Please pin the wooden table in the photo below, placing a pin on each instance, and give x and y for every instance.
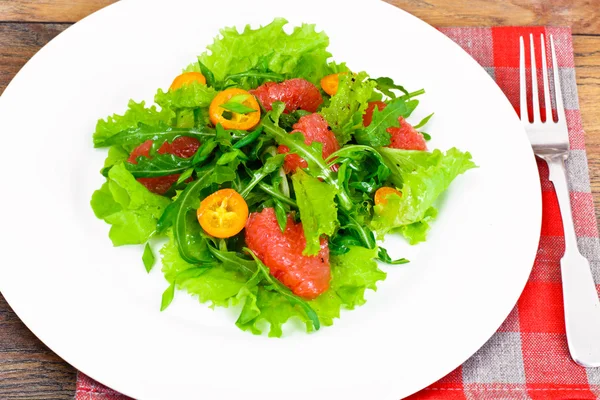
(28, 369)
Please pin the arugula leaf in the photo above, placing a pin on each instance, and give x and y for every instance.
(185, 176)
(141, 132)
(158, 165)
(354, 224)
(215, 283)
(187, 232)
(204, 151)
(271, 165)
(318, 211)
(340, 243)
(301, 54)
(376, 133)
(283, 291)
(276, 194)
(136, 113)
(253, 77)
(353, 273)
(281, 213)
(128, 206)
(385, 86)
(234, 261)
(287, 121)
(192, 95)
(383, 256)
(422, 177)
(423, 122)
(346, 107)
(148, 257)
(311, 153)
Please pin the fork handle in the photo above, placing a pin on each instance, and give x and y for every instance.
(582, 306)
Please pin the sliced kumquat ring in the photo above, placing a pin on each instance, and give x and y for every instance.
(238, 121)
(382, 193)
(187, 78)
(331, 82)
(223, 214)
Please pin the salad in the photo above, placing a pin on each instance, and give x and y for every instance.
(272, 172)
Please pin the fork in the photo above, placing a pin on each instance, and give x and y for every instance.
(550, 142)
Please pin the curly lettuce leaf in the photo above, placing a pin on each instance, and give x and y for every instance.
(346, 107)
(353, 273)
(128, 206)
(422, 177)
(136, 113)
(303, 53)
(318, 212)
(262, 307)
(193, 95)
(376, 134)
(116, 155)
(417, 231)
(217, 284)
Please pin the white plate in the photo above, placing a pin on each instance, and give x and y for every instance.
(96, 307)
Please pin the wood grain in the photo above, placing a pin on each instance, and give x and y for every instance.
(587, 69)
(19, 42)
(28, 369)
(583, 16)
(49, 10)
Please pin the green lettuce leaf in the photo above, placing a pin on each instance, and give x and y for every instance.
(346, 107)
(318, 212)
(193, 95)
(417, 231)
(376, 134)
(116, 155)
(422, 177)
(303, 53)
(353, 273)
(262, 306)
(217, 284)
(136, 113)
(128, 206)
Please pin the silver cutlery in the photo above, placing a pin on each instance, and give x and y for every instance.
(550, 142)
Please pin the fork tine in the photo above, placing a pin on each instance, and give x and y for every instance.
(523, 82)
(547, 103)
(560, 108)
(535, 96)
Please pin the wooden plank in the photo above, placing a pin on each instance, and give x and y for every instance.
(587, 69)
(28, 369)
(19, 42)
(583, 16)
(49, 10)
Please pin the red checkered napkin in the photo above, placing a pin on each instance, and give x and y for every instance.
(528, 357)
